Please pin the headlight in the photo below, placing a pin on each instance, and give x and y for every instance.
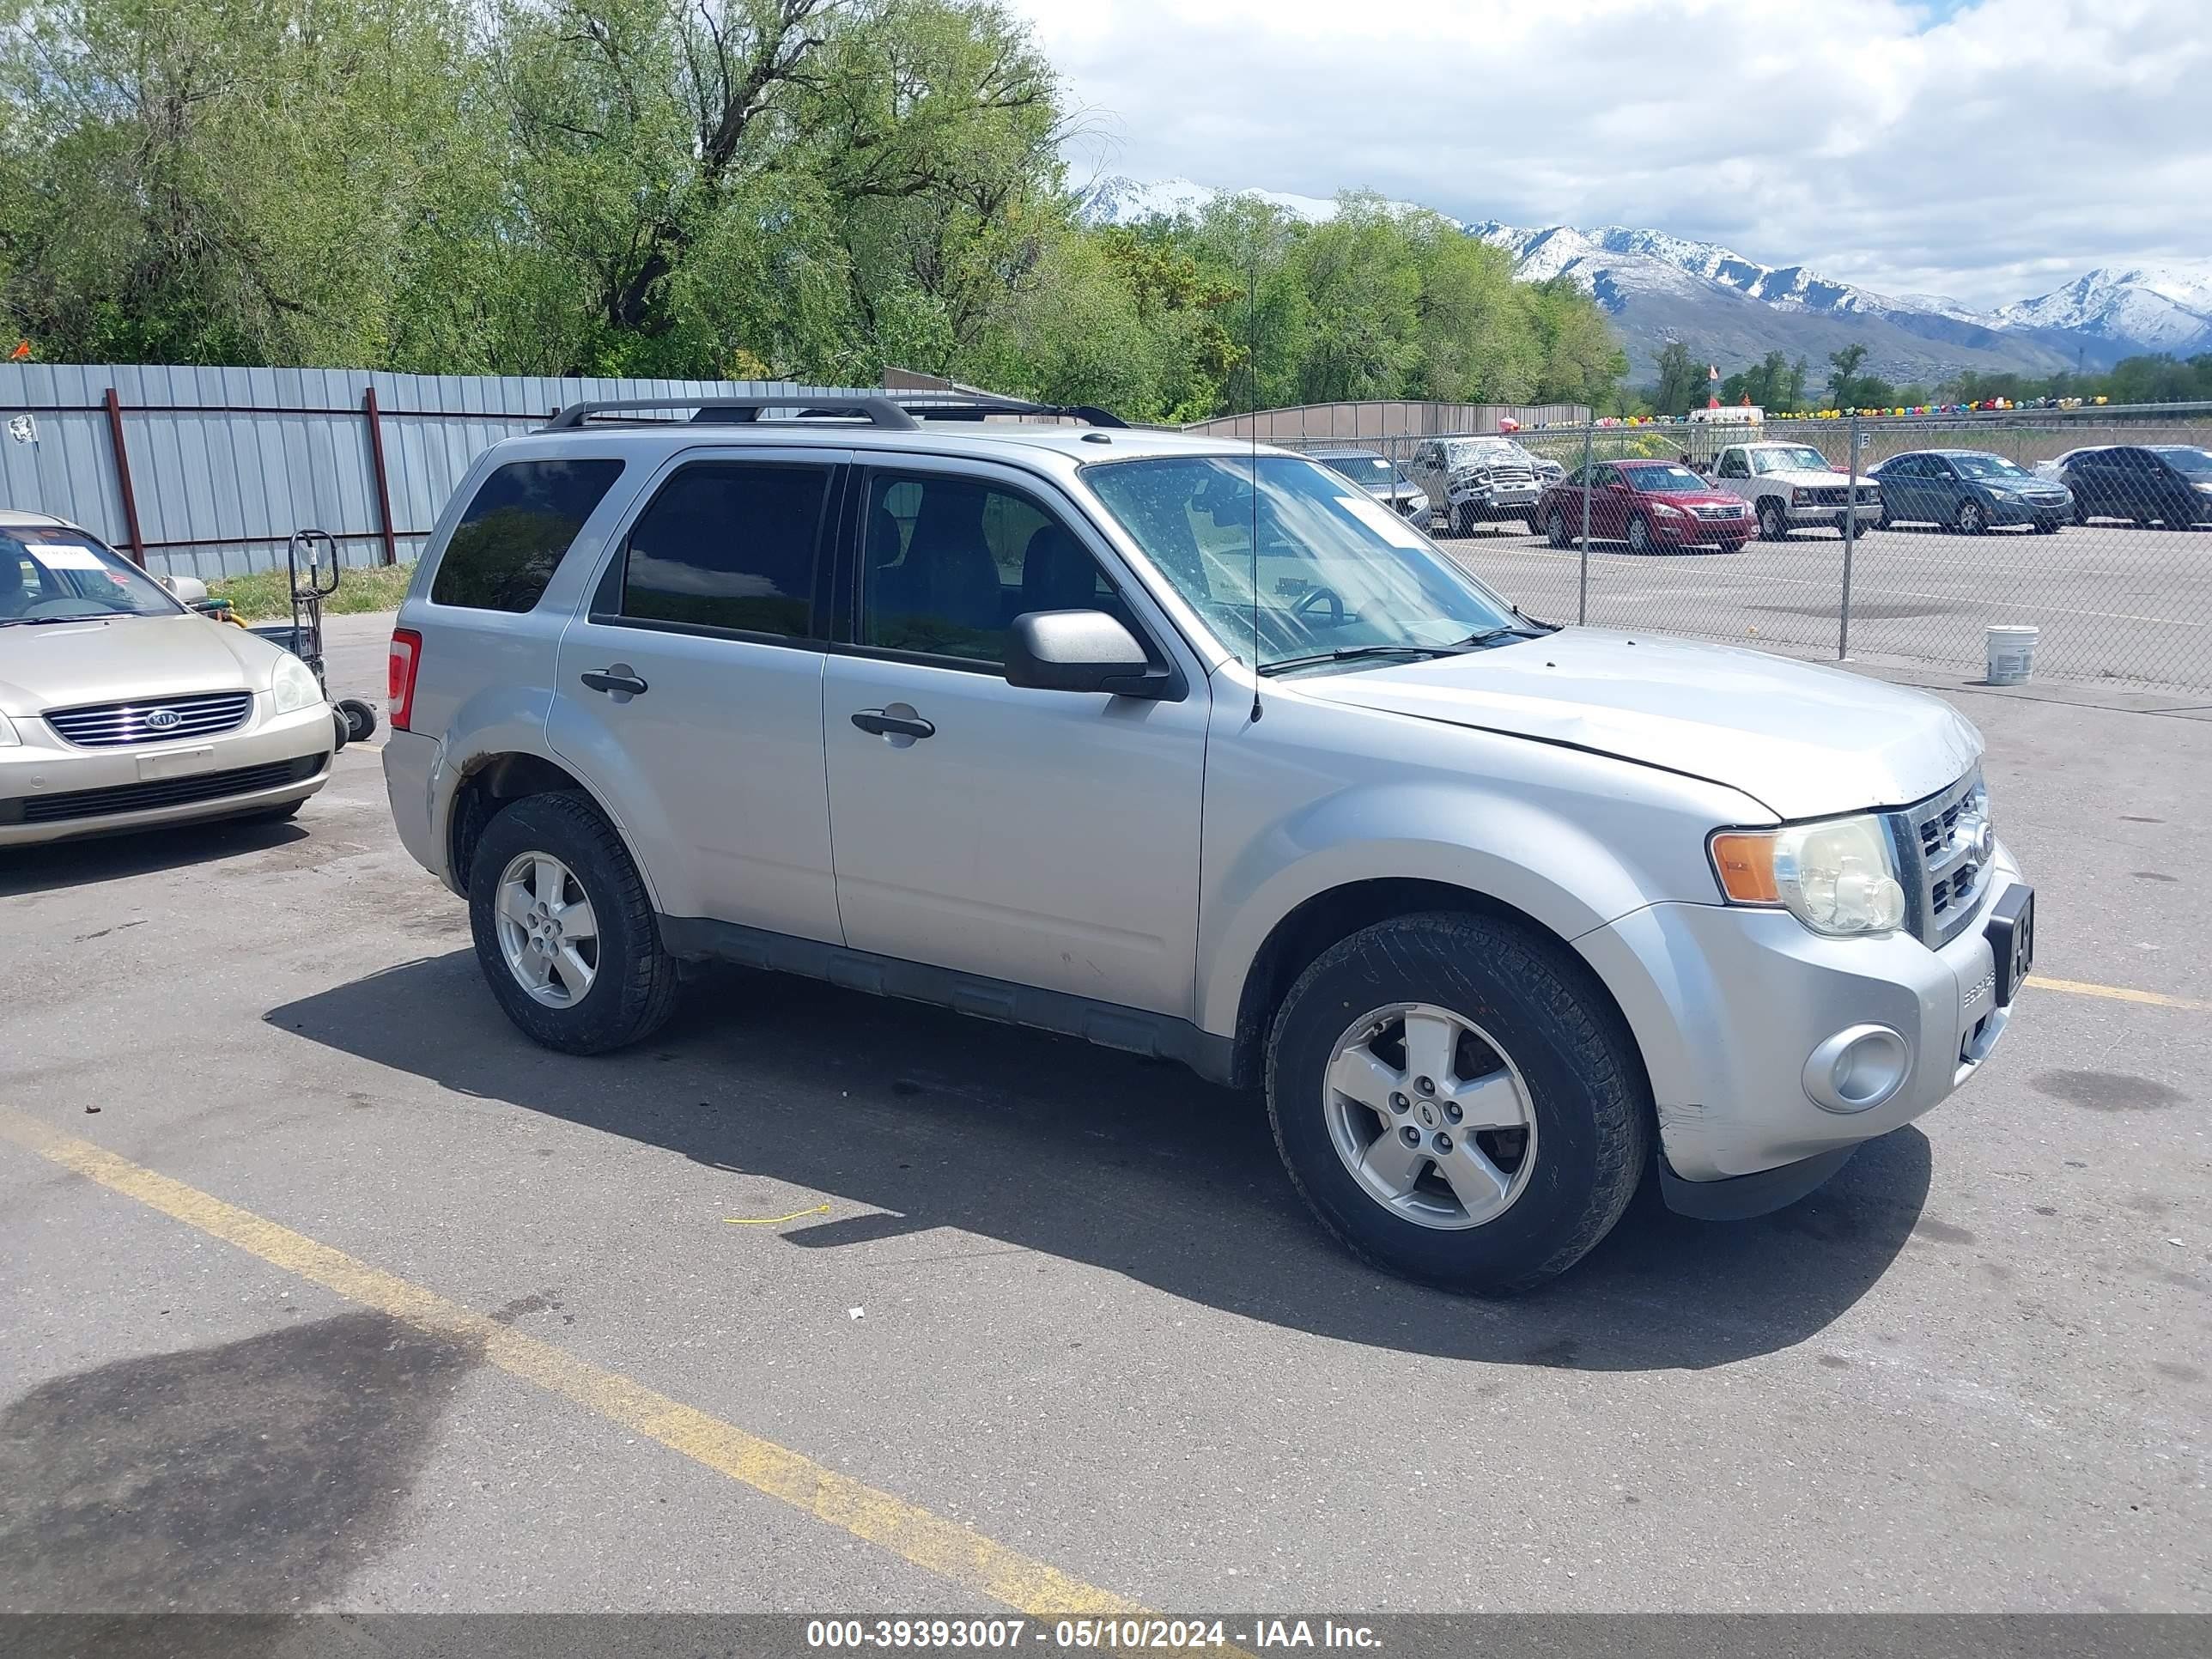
(1666, 510)
(1838, 877)
(295, 686)
(7, 737)
(1800, 497)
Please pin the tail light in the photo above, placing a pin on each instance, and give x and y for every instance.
(399, 679)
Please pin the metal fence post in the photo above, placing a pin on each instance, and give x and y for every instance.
(370, 414)
(1850, 542)
(123, 478)
(1581, 600)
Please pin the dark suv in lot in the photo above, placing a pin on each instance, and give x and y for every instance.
(2163, 484)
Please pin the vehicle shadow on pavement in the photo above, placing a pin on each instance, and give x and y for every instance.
(52, 866)
(932, 1120)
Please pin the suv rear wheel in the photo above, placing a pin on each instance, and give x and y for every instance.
(564, 932)
(1456, 1102)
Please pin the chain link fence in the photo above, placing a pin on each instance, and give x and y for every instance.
(1894, 540)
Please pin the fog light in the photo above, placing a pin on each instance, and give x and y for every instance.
(1858, 1069)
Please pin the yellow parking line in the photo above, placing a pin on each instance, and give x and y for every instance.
(953, 1552)
(2120, 994)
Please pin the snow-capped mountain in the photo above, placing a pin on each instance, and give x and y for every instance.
(2165, 310)
(1660, 287)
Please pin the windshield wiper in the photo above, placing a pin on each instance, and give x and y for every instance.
(1355, 652)
(1496, 636)
(40, 622)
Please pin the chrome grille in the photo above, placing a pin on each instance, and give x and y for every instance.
(151, 719)
(1731, 512)
(1943, 879)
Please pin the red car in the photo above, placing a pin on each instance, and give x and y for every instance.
(1650, 505)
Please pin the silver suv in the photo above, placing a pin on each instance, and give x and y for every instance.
(1198, 751)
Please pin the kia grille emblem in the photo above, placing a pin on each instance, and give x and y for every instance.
(162, 720)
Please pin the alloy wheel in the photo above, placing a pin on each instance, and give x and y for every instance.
(1430, 1116)
(547, 932)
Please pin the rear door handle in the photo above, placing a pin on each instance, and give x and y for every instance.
(888, 726)
(615, 679)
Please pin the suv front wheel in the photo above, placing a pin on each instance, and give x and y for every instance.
(564, 932)
(1456, 1103)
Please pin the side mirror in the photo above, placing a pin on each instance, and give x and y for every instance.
(1080, 651)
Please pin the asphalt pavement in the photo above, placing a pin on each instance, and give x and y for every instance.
(326, 1288)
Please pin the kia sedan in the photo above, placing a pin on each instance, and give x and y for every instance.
(122, 709)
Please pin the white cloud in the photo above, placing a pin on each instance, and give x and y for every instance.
(1989, 151)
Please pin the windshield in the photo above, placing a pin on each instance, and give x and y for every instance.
(50, 572)
(1372, 470)
(1337, 571)
(1487, 451)
(2197, 463)
(1789, 458)
(1986, 466)
(1670, 476)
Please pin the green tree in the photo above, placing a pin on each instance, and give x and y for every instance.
(1680, 379)
(1843, 376)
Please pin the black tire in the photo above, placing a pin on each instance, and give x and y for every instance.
(2046, 526)
(1773, 523)
(2081, 513)
(360, 719)
(1972, 518)
(1591, 1103)
(1555, 530)
(634, 990)
(1640, 538)
(1462, 519)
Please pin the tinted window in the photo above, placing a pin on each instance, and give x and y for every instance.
(728, 544)
(517, 530)
(1732, 464)
(949, 564)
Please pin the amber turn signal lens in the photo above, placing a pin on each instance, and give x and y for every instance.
(1745, 865)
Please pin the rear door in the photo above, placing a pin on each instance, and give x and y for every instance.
(1050, 838)
(689, 691)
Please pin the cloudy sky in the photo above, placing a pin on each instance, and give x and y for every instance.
(1988, 149)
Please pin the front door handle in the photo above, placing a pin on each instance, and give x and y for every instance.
(882, 725)
(614, 680)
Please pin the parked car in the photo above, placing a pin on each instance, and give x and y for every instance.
(1650, 505)
(122, 709)
(1482, 480)
(2147, 483)
(1187, 750)
(1377, 475)
(1792, 486)
(1968, 490)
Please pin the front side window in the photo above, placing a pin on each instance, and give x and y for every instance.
(1732, 465)
(728, 544)
(947, 563)
(51, 573)
(1337, 571)
(520, 526)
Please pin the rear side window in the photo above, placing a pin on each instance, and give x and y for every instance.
(517, 531)
(728, 544)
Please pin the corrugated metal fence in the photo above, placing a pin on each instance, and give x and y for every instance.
(207, 472)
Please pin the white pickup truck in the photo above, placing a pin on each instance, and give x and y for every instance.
(1792, 486)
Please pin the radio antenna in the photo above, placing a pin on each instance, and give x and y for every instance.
(1252, 403)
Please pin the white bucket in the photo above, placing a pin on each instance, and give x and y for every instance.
(2012, 654)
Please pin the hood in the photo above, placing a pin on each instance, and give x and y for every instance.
(1690, 498)
(1803, 741)
(122, 659)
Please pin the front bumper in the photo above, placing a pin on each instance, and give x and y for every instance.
(1482, 500)
(2012, 510)
(1830, 518)
(1686, 533)
(53, 791)
(1729, 1005)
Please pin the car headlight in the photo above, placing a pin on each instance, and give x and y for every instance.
(1666, 510)
(295, 686)
(2204, 490)
(7, 737)
(1800, 497)
(1838, 877)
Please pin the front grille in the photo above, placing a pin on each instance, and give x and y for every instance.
(1734, 511)
(152, 720)
(158, 793)
(1943, 876)
(1503, 478)
(1837, 495)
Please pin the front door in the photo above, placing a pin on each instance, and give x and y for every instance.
(689, 695)
(1050, 838)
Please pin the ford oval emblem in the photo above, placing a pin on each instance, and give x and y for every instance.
(163, 719)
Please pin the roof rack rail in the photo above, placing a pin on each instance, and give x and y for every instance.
(878, 411)
(933, 406)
